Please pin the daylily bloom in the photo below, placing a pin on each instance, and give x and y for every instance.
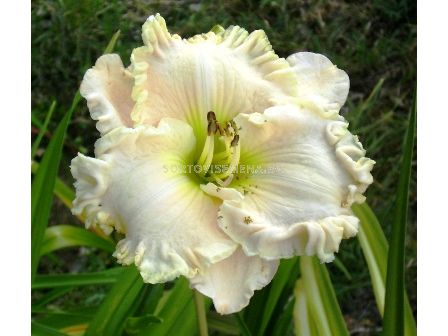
(278, 173)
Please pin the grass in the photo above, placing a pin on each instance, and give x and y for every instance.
(374, 42)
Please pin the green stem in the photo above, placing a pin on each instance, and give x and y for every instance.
(200, 313)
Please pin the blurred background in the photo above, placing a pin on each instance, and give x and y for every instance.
(373, 41)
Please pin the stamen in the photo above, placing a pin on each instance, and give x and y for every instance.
(225, 183)
(229, 135)
(235, 140)
(221, 155)
(209, 157)
(209, 143)
(206, 157)
(224, 154)
(235, 159)
(211, 116)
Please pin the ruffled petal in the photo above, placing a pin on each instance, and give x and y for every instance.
(299, 174)
(136, 184)
(107, 88)
(229, 72)
(232, 282)
(91, 181)
(320, 83)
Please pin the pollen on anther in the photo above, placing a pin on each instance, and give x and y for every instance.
(211, 116)
(235, 140)
(247, 220)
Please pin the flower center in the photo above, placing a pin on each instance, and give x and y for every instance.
(221, 153)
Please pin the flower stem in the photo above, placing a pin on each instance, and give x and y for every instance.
(200, 313)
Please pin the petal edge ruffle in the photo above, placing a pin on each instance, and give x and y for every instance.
(231, 282)
(321, 85)
(107, 88)
(310, 170)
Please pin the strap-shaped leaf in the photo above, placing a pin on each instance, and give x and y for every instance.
(374, 246)
(321, 298)
(135, 324)
(284, 273)
(42, 187)
(61, 236)
(119, 304)
(44, 180)
(72, 322)
(223, 324)
(75, 280)
(284, 323)
(38, 329)
(177, 312)
(244, 330)
(303, 322)
(42, 130)
(393, 320)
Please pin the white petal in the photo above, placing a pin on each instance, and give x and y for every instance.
(170, 223)
(232, 282)
(91, 182)
(221, 192)
(229, 73)
(107, 87)
(311, 170)
(320, 82)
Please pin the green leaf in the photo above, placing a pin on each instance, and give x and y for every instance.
(36, 122)
(111, 45)
(38, 329)
(70, 320)
(83, 279)
(44, 181)
(363, 109)
(186, 323)
(223, 324)
(321, 298)
(42, 187)
(151, 298)
(42, 130)
(50, 296)
(64, 193)
(283, 323)
(374, 246)
(242, 325)
(284, 273)
(177, 311)
(254, 311)
(61, 190)
(118, 304)
(201, 315)
(303, 323)
(61, 236)
(393, 320)
(135, 324)
(340, 265)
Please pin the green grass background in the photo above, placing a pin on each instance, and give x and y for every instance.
(373, 41)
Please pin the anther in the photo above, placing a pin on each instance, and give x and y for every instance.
(211, 128)
(211, 116)
(233, 124)
(235, 140)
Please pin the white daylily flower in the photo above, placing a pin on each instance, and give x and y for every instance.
(278, 167)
